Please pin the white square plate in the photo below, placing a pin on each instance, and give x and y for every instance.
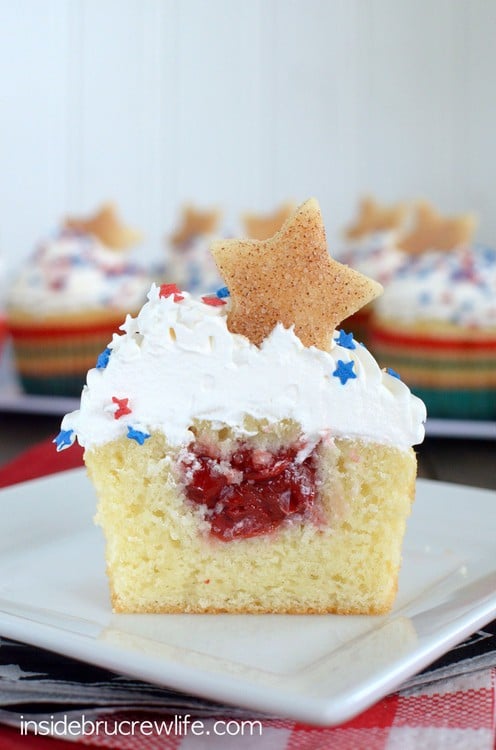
(316, 669)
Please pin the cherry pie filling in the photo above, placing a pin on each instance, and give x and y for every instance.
(253, 492)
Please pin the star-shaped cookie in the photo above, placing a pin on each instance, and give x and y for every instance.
(195, 223)
(261, 227)
(372, 217)
(435, 232)
(106, 225)
(291, 279)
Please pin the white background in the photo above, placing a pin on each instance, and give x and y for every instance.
(242, 104)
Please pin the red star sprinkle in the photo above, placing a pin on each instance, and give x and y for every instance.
(213, 301)
(122, 407)
(166, 290)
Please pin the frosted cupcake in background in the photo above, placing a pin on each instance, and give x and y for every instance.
(436, 321)
(372, 247)
(372, 241)
(189, 263)
(71, 296)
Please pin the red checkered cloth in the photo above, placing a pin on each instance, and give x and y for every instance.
(457, 713)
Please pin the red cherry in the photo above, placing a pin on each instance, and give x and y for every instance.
(205, 486)
(273, 487)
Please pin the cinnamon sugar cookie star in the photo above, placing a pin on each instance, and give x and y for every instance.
(291, 279)
(106, 225)
(435, 232)
(195, 223)
(372, 217)
(260, 227)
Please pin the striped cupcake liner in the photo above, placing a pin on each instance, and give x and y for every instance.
(456, 377)
(359, 325)
(54, 360)
(3, 333)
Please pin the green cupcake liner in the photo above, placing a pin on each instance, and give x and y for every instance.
(61, 385)
(459, 403)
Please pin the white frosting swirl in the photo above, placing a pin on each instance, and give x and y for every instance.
(458, 287)
(375, 255)
(74, 273)
(177, 362)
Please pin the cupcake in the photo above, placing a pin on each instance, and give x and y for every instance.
(436, 322)
(371, 247)
(189, 263)
(247, 455)
(70, 297)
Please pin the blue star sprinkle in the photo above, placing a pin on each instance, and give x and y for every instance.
(137, 435)
(223, 292)
(392, 372)
(64, 439)
(103, 359)
(345, 340)
(488, 254)
(344, 371)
